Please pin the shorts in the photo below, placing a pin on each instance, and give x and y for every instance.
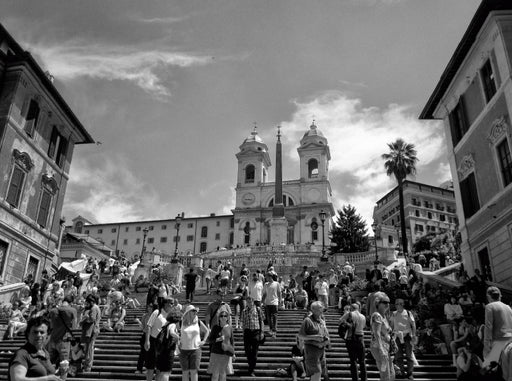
(190, 359)
(224, 282)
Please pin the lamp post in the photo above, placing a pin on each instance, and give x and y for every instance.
(376, 234)
(145, 232)
(177, 226)
(323, 217)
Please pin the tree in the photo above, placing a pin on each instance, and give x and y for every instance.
(401, 162)
(349, 231)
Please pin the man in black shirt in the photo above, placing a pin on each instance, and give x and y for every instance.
(190, 282)
(62, 320)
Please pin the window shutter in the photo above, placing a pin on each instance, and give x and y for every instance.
(62, 151)
(44, 208)
(495, 70)
(53, 143)
(13, 194)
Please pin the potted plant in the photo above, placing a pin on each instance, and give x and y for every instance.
(358, 287)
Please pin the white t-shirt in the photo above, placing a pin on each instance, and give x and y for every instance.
(156, 322)
(322, 288)
(255, 290)
(273, 292)
(190, 337)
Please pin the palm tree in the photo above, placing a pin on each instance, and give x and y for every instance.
(401, 162)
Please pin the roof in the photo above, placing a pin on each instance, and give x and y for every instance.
(23, 57)
(486, 7)
(416, 183)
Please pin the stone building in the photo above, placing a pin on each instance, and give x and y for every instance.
(474, 99)
(249, 225)
(38, 133)
(428, 209)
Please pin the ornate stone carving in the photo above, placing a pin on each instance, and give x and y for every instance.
(499, 128)
(23, 159)
(466, 166)
(50, 182)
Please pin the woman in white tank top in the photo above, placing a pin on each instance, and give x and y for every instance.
(192, 329)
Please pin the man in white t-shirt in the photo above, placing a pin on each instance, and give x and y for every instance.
(322, 290)
(272, 299)
(255, 289)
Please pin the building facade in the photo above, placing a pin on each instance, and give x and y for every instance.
(249, 225)
(428, 209)
(474, 99)
(38, 132)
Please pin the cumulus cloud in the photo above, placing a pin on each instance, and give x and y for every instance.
(143, 67)
(358, 136)
(105, 190)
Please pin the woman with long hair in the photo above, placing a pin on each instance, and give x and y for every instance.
(238, 302)
(164, 354)
(222, 349)
(191, 331)
(381, 337)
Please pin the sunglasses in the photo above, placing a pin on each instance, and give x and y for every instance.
(223, 316)
(385, 302)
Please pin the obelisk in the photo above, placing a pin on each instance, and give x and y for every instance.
(278, 223)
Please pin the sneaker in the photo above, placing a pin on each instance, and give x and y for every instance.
(252, 374)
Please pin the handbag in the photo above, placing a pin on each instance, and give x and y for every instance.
(228, 348)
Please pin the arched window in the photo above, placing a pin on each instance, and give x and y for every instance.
(314, 230)
(202, 247)
(78, 227)
(249, 173)
(312, 168)
(287, 201)
(247, 233)
(204, 232)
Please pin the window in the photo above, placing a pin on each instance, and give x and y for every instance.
(314, 235)
(469, 195)
(114, 230)
(3, 254)
(126, 229)
(202, 247)
(137, 228)
(442, 217)
(417, 213)
(33, 264)
(247, 233)
(113, 242)
(151, 240)
(190, 238)
(15, 186)
(231, 222)
(312, 168)
(175, 237)
(218, 223)
(151, 227)
(429, 215)
(217, 236)
(58, 147)
(249, 173)
(163, 239)
(44, 208)
(458, 123)
(100, 231)
(418, 228)
(505, 161)
(190, 225)
(137, 241)
(32, 117)
(488, 80)
(204, 232)
(86, 232)
(231, 238)
(125, 242)
(390, 239)
(164, 227)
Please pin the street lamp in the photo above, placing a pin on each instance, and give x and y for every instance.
(323, 217)
(177, 226)
(145, 232)
(376, 234)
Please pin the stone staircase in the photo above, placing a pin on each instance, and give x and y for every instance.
(116, 354)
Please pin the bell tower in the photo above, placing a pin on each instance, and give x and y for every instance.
(314, 155)
(253, 162)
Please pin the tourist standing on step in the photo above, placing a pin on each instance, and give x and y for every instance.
(316, 339)
(381, 337)
(252, 323)
(144, 325)
(322, 291)
(355, 342)
(404, 329)
(222, 349)
(155, 323)
(62, 321)
(498, 325)
(255, 289)
(190, 285)
(333, 282)
(90, 329)
(208, 277)
(272, 299)
(191, 331)
(215, 308)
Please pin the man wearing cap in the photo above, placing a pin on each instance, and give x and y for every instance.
(498, 326)
(355, 344)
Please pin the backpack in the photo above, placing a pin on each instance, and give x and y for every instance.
(165, 343)
(347, 329)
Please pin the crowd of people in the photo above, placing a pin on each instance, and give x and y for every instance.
(397, 310)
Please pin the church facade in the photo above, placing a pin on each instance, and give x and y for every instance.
(250, 223)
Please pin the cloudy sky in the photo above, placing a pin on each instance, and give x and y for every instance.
(171, 88)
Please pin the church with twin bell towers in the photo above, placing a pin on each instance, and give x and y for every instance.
(282, 212)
